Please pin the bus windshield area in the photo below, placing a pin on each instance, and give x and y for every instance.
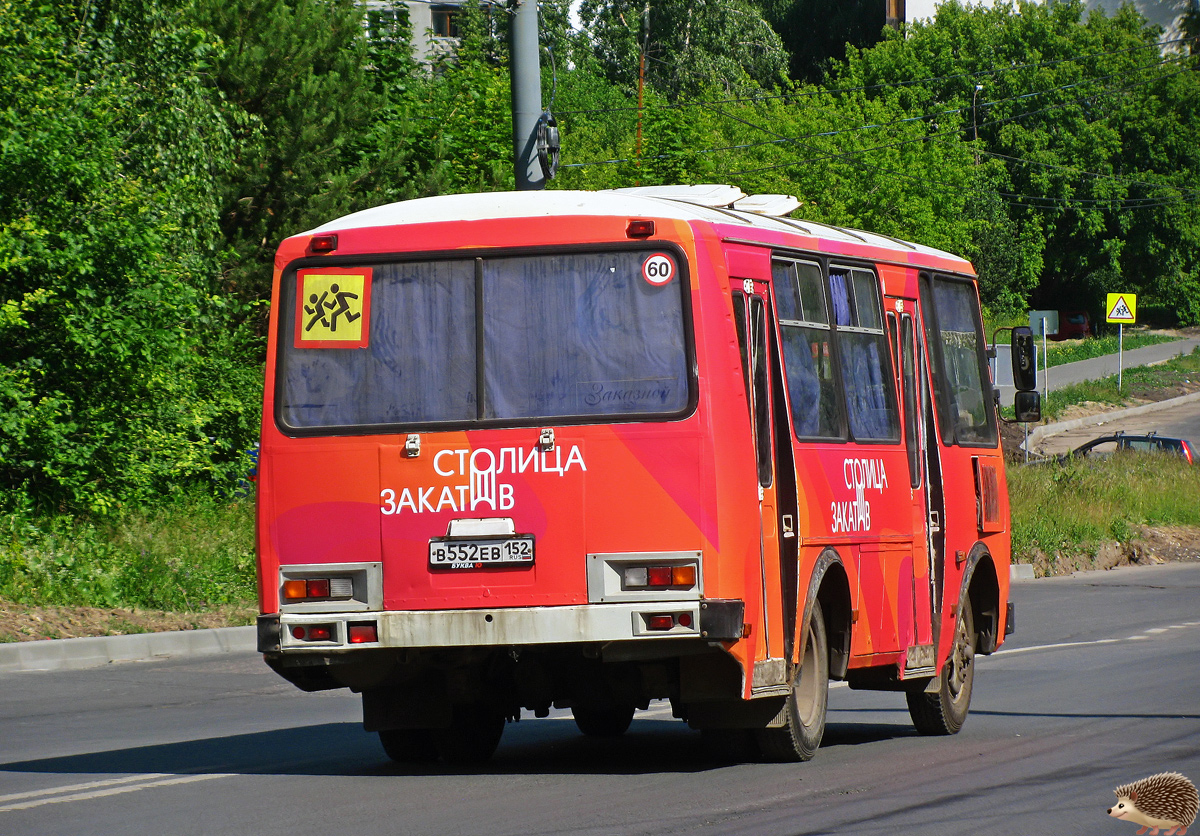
(483, 341)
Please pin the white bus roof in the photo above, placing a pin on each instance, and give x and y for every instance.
(654, 202)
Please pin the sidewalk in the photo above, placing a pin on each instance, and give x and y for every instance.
(1098, 367)
(97, 651)
(1101, 367)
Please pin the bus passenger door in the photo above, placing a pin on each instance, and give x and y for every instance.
(921, 473)
(933, 502)
(755, 329)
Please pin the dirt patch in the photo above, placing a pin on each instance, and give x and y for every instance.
(1148, 546)
(22, 623)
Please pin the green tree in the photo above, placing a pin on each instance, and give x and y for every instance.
(1073, 110)
(816, 32)
(118, 378)
(690, 45)
(295, 73)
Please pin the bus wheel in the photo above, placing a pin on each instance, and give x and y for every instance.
(409, 745)
(945, 710)
(472, 737)
(804, 711)
(604, 719)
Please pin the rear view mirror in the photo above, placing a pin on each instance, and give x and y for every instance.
(1024, 361)
(1027, 406)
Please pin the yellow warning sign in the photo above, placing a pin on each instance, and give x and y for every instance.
(332, 308)
(1121, 307)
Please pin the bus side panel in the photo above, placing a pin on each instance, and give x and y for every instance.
(859, 494)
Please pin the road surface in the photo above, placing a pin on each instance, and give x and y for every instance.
(1099, 686)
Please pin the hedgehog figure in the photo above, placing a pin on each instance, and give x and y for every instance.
(1168, 800)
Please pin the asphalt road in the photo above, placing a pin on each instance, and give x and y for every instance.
(1178, 421)
(1099, 686)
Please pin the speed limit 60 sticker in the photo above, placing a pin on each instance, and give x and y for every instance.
(658, 269)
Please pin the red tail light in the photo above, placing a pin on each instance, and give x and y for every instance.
(363, 633)
(321, 244)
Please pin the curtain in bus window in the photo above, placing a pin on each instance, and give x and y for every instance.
(420, 363)
(811, 390)
(581, 334)
(807, 355)
(866, 371)
(969, 404)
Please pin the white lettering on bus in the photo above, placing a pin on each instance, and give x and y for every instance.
(859, 475)
(483, 489)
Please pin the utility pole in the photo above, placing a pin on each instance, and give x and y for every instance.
(526, 94)
(641, 83)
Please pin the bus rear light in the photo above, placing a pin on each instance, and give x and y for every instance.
(660, 622)
(660, 575)
(364, 633)
(321, 244)
(300, 590)
(683, 576)
(638, 577)
(312, 632)
(640, 229)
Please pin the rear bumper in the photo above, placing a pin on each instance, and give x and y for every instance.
(712, 620)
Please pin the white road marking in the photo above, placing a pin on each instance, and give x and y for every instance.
(148, 781)
(1010, 650)
(1143, 636)
(108, 782)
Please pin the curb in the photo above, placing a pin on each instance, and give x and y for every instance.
(1020, 572)
(1044, 430)
(97, 651)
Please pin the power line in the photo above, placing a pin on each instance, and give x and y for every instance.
(993, 73)
(782, 140)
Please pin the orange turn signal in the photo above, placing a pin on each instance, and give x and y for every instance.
(683, 576)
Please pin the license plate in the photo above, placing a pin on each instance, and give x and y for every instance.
(471, 552)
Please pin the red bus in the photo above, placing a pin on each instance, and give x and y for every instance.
(588, 450)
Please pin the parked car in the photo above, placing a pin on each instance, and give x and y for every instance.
(1073, 325)
(1106, 445)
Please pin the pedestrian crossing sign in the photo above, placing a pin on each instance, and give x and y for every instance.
(1122, 308)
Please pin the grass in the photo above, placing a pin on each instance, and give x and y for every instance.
(1080, 505)
(191, 556)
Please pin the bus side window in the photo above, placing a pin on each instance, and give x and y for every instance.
(936, 373)
(894, 343)
(867, 377)
(739, 322)
(801, 304)
(964, 400)
(762, 389)
(911, 418)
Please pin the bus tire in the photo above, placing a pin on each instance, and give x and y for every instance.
(409, 745)
(472, 737)
(807, 703)
(945, 710)
(603, 719)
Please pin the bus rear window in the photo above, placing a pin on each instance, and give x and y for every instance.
(572, 336)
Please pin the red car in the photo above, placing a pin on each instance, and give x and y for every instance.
(1073, 325)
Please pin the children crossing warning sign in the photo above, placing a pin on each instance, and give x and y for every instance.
(333, 308)
(1122, 308)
